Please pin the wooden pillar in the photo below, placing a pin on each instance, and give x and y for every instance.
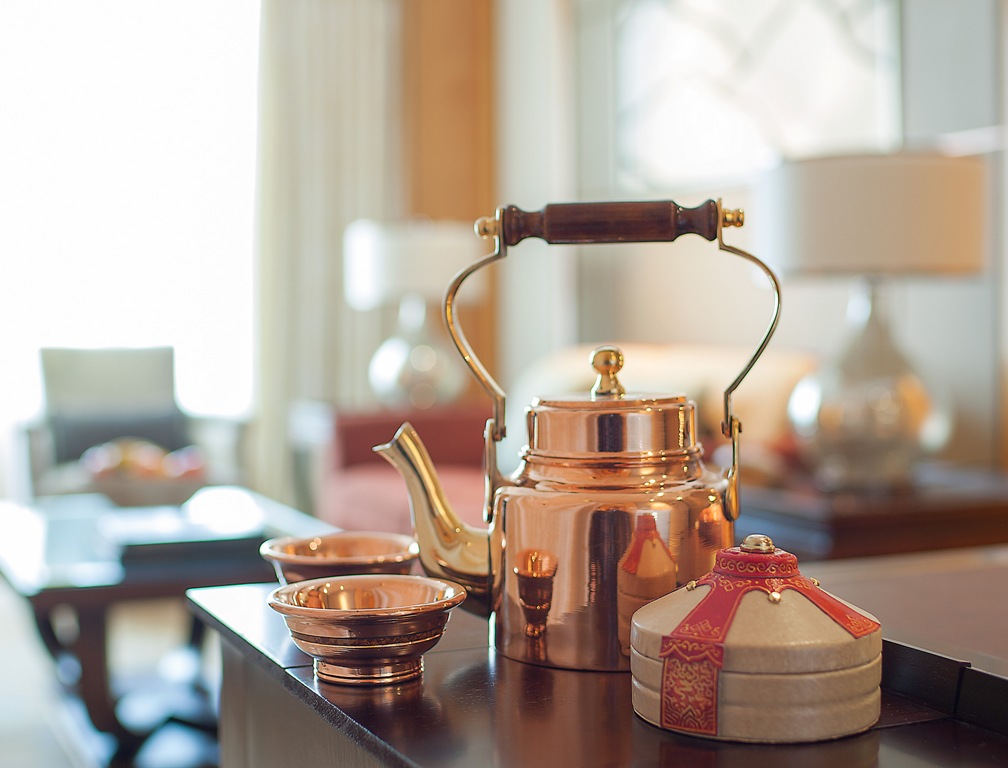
(448, 123)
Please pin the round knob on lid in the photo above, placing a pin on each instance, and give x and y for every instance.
(757, 543)
(607, 362)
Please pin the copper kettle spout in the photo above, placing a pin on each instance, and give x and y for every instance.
(449, 548)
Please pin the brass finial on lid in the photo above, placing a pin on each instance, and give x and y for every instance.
(607, 362)
(758, 543)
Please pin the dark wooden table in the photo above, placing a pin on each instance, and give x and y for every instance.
(58, 556)
(475, 708)
(946, 507)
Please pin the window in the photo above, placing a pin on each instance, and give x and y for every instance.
(127, 167)
(708, 92)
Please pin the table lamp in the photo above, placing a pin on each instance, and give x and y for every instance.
(865, 418)
(411, 263)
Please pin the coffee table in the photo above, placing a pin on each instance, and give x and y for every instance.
(80, 552)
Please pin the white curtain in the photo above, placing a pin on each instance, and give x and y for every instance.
(329, 152)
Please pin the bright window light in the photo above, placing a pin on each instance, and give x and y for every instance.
(709, 93)
(127, 167)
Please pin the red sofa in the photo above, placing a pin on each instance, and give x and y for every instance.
(362, 491)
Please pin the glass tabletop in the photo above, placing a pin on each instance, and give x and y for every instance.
(86, 541)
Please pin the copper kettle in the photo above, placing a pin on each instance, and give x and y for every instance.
(611, 505)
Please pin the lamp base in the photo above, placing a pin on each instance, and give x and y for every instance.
(412, 368)
(883, 467)
(864, 420)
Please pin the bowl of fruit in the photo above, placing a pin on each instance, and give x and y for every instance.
(138, 473)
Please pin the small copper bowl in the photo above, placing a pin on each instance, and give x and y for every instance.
(339, 554)
(367, 629)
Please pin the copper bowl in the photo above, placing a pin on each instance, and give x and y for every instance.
(367, 629)
(339, 554)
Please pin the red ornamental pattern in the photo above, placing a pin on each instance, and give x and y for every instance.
(689, 685)
(693, 654)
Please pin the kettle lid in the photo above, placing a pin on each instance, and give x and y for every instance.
(608, 421)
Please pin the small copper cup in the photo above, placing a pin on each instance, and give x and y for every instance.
(369, 629)
(339, 554)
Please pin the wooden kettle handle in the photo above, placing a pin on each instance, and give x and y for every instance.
(621, 222)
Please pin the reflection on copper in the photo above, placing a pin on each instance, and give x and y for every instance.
(647, 570)
(712, 527)
(533, 704)
(404, 712)
(608, 534)
(535, 571)
(535, 647)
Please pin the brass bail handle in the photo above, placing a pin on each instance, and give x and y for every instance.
(619, 222)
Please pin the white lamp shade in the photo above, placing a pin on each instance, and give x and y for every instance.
(899, 213)
(383, 261)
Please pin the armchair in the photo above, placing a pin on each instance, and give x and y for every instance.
(95, 396)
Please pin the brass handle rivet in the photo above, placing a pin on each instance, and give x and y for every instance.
(732, 217)
(486, 226)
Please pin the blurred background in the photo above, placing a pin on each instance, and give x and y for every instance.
(183, 174)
